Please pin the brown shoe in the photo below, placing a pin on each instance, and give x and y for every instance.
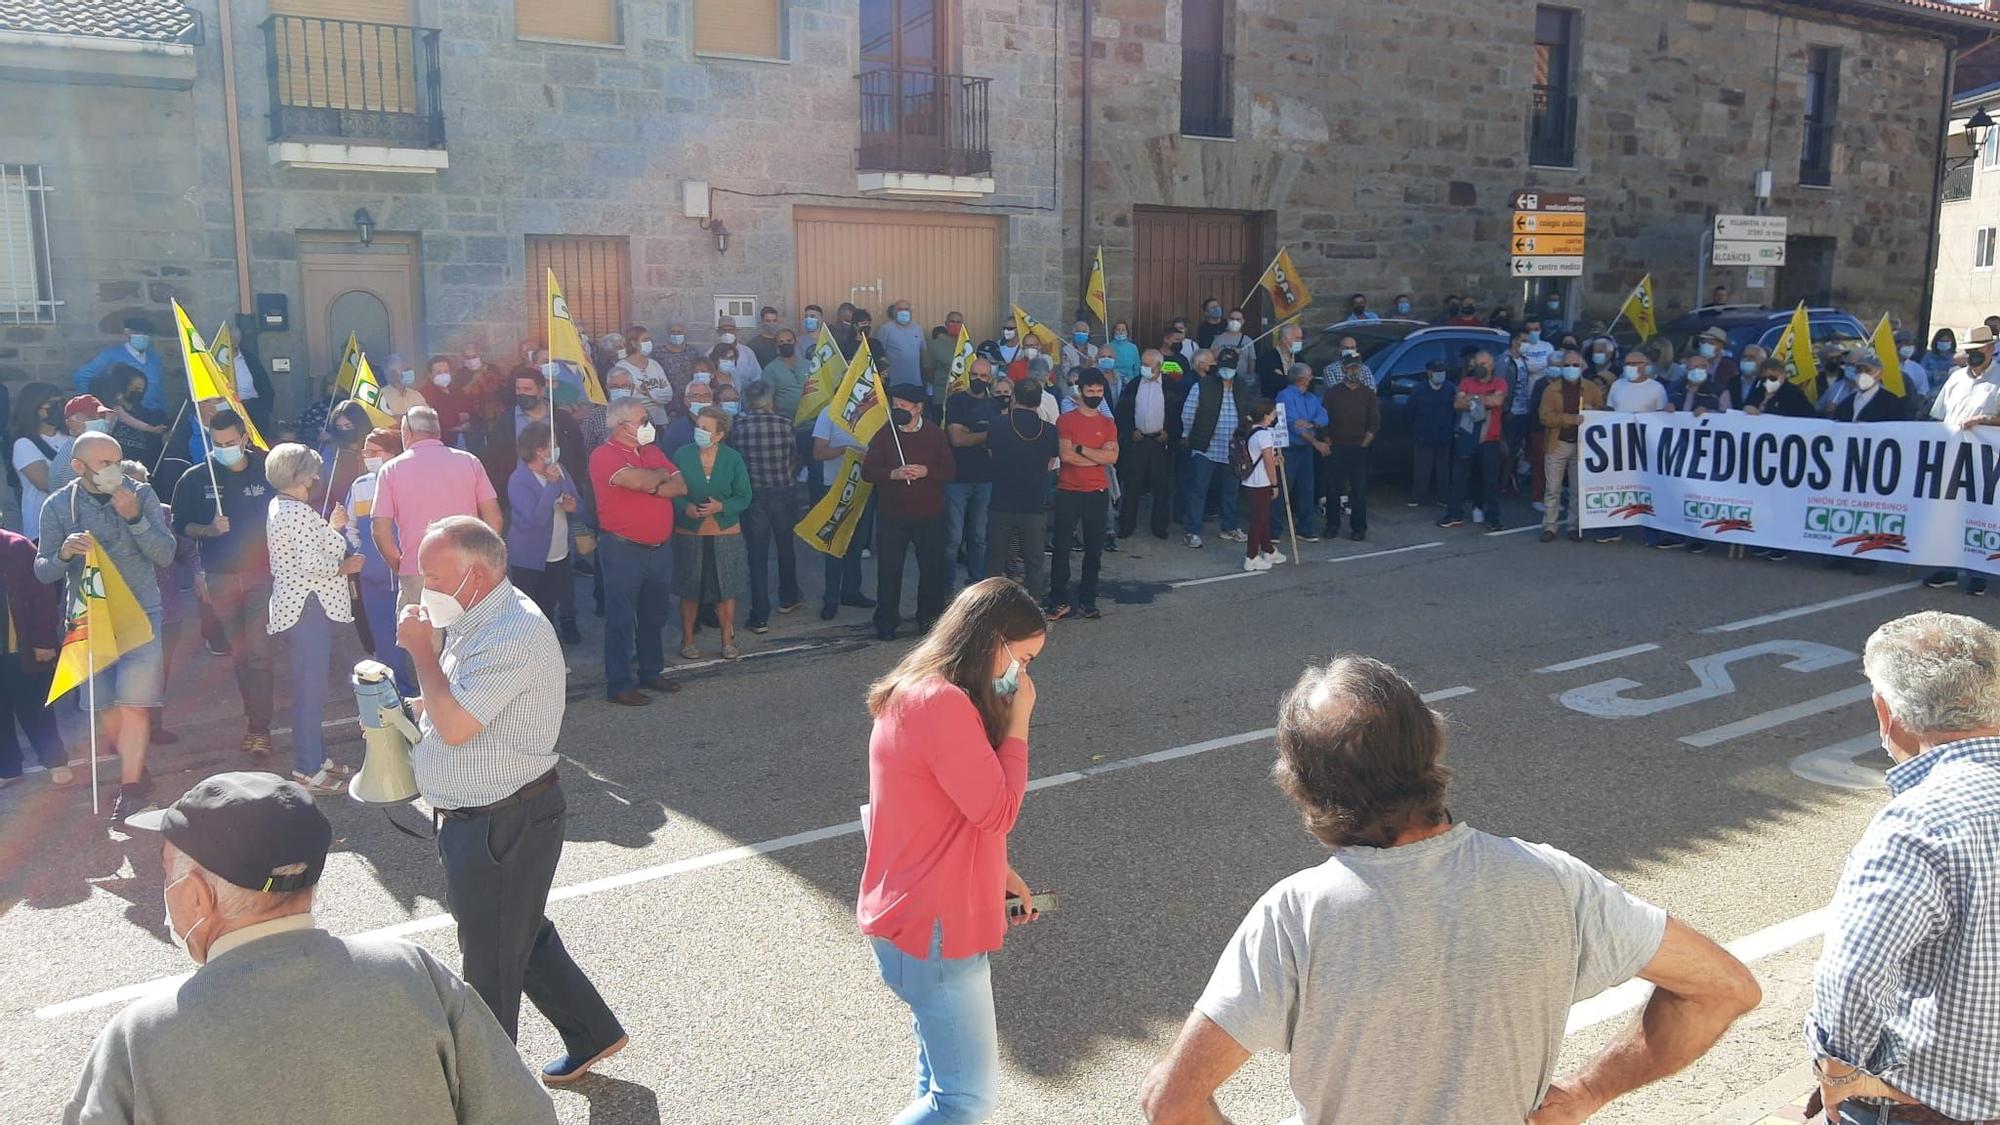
(661, 684)
(632, 698)
(257, 742)
(1548, 536)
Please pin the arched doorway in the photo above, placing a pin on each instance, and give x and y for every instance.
(374, 291)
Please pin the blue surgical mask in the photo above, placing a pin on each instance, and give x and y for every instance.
(700, 377)
(1402, 308)
(1633, 373)
(645, 347)
(677, 338)
(1600, 358)
(1534, 335)
(1707, 351)
(1941, 348)
(732, 408)
(1697, 375)
(1107, 363)
(1572, 374)
(1120, 337)
(902, 316)
(1080, 337)
(811, 324)
(1227, 373)
(703, 438)
(1008, 682)
(140, 341)
(1848, 372)
(1437, 378)
(229, 456)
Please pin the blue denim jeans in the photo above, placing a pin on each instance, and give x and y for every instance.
(638, 584)
(309, 652)
(1483, 470)
(1301, 469)
(768, 530)
(378, 605)
(958, 1041)
(965, 510)
(1201, 473)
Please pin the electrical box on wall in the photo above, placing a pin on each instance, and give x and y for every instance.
(741, 306)
(274, 312)
(694, 199)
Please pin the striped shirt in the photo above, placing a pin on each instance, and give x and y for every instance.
(504, 665)
(1908, 983)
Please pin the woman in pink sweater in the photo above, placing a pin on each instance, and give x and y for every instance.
(947, 768)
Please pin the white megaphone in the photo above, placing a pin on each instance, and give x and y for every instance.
(386, 777)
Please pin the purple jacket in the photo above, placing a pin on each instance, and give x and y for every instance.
(531, 516)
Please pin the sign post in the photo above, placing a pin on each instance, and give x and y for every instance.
(1546, 236)
(1749, 240)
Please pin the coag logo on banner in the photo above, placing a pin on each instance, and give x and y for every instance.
(1719, 516)
(1862, 530)
(1982, 543)
(1619, 503)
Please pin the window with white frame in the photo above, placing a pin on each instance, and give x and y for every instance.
(1989, 151)
(26, 295)
(1982, 249)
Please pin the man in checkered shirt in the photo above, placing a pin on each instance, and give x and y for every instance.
(1906, 999)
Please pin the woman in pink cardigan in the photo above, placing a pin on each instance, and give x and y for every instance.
(947, 768)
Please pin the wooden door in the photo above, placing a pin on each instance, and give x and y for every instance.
(373, 291)
(938, 262)
(1182, 257)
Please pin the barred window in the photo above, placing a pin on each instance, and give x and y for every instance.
(594, 273)
(27, 295)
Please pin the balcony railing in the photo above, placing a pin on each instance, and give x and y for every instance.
(341, 80)
(1552, 128)
(1816, 153)
(1958, 184)
(923, 121)
(1207, 94)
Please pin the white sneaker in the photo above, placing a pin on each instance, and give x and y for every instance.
(1539, 506)
(1234, 536)
(1191, 540)
(1275, 558)
(1254, 565)
(1478, 515)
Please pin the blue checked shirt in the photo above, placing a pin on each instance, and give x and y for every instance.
(1908, 984)
(505, 666)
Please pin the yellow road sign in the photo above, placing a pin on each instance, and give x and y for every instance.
(1529, 222)
(1545, 245)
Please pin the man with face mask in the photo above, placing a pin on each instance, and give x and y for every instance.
(902, 340)
(938, 353)
(425, 483)
(1357, 308)
(125, 521)
(1210, 327)
(1176, 345)
(1275, 357)
(1087, 443)
(635, 483)
(1145, 448)
(242, 854)
(785, 373)
(487, 763)
(1078, 351)
(969, 416)
(1208, 419)
(1353, 417)
(909, 462)
(747, 367)
(1432, 480)
(399, 387)
(1305, 412)
(1564, 399)
(764, 345)
(679, 430)
(222, 505)
(135, 350)
(1775, 393)
(1235, 335)
(1969, 398)
(1481, 394)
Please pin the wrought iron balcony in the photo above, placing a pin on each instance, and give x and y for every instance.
(1816, 153)
(1552, 128)
(926, 122)
(1207, 94)
(352, 82)
(1958, 184)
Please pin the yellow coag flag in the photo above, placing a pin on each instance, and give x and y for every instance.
(1032, 329)
(824, 365)
(207, 379)
(222, 346)
(1884, 343)
(367, 390)
(961, 362)
(1794, 347)
(101, 623)
(1638, 308)
(566, 344)
(829, 527)
(1093, 293)
(859, 407)
(1282, 283)
(350, 362)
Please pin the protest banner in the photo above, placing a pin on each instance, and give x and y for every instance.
(1904, 492)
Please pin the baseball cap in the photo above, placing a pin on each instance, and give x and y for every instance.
(83, 404)
(908, 392)
(243, 827)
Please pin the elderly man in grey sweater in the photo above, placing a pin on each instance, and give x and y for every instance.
(124, 520)
(282, 1021)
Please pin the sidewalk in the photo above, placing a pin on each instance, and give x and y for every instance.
(1781, 1101)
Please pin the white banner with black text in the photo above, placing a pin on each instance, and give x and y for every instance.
(1905, 492)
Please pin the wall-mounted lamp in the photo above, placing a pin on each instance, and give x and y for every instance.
(721, 233)
(1976, 128)
(364, 225)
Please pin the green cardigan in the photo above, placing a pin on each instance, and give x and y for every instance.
(730, 484)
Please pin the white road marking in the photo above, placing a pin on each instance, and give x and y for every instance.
(1599, 658)
(1606, 699)
(1835, 765)
(1232, 576)
(1612, 1003)
(1816, 607)
(1779, 717)
(749, 656)
(131, 992)
(1515, 530)
(1390, 551)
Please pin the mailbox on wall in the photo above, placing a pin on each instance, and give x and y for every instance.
(274, 312)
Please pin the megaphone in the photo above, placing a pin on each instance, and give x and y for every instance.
(387, 776)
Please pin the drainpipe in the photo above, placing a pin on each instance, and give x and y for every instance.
(233, 143)
(1083, 169)
(1937, 193)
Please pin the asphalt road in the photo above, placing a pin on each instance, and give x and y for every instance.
(1629, 705)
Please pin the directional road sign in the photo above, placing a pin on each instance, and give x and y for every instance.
(1749, 228)
(1561, 201)
(1536, 222)
(1545, 245)
(1737, 253)
(1548, 267)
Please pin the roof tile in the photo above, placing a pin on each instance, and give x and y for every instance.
(160, 21)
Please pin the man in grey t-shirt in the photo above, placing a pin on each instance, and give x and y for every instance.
(1425, 972)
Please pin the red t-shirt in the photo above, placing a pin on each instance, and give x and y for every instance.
(1479, 388)
(1092, 430)
(628, 514)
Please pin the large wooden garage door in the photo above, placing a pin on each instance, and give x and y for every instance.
(1180, 258)
(936, 261)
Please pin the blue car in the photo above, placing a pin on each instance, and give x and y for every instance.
(1399, 353)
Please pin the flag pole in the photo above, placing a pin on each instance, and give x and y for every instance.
(1245, 305)
(898, 439)
(167, 441)
(90, 651)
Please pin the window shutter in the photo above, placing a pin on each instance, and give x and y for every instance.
(587, 21)
(593, 273)
(752, 28)
(21, 252)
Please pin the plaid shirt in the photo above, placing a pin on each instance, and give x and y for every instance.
(1908, 984)
(766, 441)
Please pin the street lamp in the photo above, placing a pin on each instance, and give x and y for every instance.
(364, 225)
(1976, 128)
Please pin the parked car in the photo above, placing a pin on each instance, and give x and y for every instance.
(1398, 353)
(1756, 324)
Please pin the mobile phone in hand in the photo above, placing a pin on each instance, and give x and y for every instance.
(1044, 903)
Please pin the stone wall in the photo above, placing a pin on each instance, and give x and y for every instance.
(1387, 139)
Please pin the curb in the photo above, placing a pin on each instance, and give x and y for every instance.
(1781, 1101)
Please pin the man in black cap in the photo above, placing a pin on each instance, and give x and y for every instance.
(283, 1021)
(909, 463)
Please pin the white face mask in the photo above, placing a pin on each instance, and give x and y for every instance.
(1771, 385)
(1235, 325)
(727, 337)
(179, 938)
(472, 363)
(108, 478)
(645, 347)
(441, 379)
(644, 434)
(374, 464)
(549, 369)
(443, 608)
(1868, 382)
(1145, 372)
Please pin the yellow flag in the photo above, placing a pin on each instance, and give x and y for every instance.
(829, 527)
(1794, 347)
(961, 362)
(367, 391)
(858, 406)
(1032, 329)
(566, 345)
(824, 365)
(1093, 294)
(223, 347)
(1287, 290)
(206, 380)
(101, 623)
(1884, 343)
(350, 362)
(1638, 308)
